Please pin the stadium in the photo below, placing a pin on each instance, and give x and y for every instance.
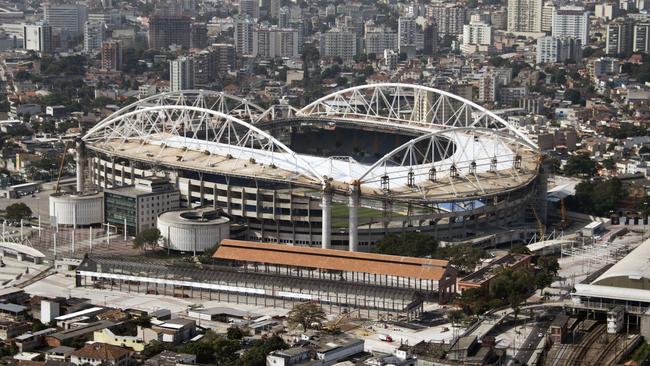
(341, 172)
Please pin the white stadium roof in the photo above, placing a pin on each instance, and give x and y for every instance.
(217, 133)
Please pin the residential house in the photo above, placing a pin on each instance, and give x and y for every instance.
(96, 354)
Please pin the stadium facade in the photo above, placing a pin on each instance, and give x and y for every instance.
(342, 172)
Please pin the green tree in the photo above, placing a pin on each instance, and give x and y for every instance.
(606, 196)
(38, 326)
(558, 75)
(147, 237)
(22, 76)
(640, 72)
(644, 150)
(514, 301)
(624, 130)
(609, 164)
(142, 321)
(548, 268)
(18, 211)
(644, 206)
(235, 333)
(225, 350)
(361, 57)
(474, 301)
(306, 314)
(410, 244)
(542, 280)
(520, 249)
(203, 351)
(580, 165)
(509, 283)
(64, 66)
(464, 258)
(455, 317)
(574, 96)
(8, 350)
(153, 348)
(549, 265)
(596, 198)
(331, 71)
(256, 355)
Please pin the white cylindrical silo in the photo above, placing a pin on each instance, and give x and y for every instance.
(77, 210)
(193, 231)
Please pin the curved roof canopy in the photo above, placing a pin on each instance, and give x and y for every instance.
(632, 271)
(463, 149)
(217, 135)
(410, 105)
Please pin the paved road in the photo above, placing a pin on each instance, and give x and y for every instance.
(527, 349)
(497, 317)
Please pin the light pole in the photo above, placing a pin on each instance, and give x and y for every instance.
(38, 212)
(644, 214)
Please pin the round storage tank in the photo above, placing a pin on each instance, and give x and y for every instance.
(193, 230)
(77, 210)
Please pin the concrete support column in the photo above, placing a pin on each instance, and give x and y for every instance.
(215, 196)
(113, 185)
(354, 218)
(189, 193)
(81, 168)
(326, 232)
(95, 171)
(91, 173)
(202, 191)
(104, 173)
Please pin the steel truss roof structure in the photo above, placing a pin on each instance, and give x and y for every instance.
(462, 151)
(408, 105)
(208, 99)
(187, 128)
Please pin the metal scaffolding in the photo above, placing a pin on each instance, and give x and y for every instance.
(596, 253)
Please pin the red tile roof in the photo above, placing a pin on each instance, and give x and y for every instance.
(101, 351)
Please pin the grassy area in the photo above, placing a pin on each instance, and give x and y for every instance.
(641, 352)
(340, 215)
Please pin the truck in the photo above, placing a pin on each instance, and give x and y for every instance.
(385, 338)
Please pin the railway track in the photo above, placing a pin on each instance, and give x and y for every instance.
(558, 357)
(605, 355)
(577, 355)
(41, 275)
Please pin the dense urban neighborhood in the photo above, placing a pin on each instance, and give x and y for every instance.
(321, 182)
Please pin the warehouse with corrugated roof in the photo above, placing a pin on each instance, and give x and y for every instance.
(275, 275)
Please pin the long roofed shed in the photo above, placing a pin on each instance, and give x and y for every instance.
(331, 259)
